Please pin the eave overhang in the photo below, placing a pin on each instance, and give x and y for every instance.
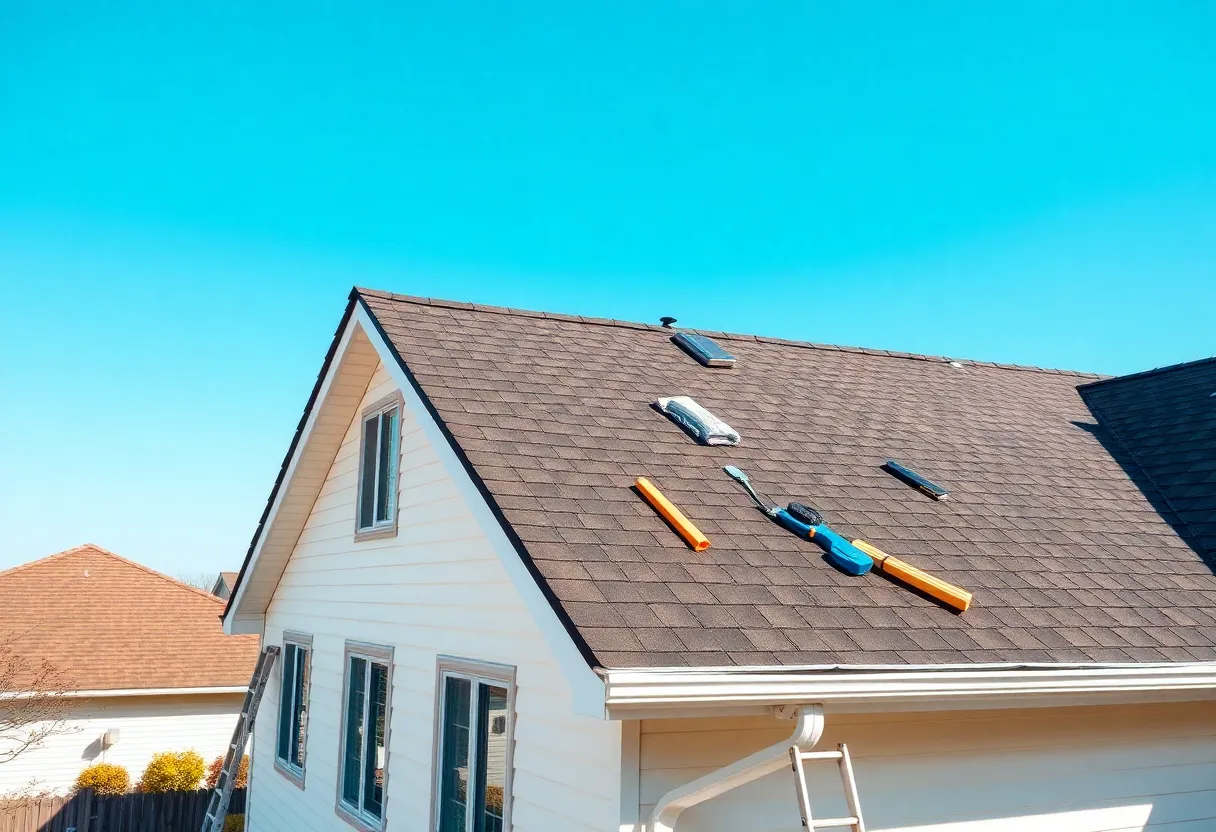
(633, 692)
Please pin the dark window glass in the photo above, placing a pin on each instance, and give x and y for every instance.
(286, 701)
(299, 722)
(352, 753)
(367, 492)
(374, 751)
(386, 469)
(491, 757)
(475, 728)
(454, 772)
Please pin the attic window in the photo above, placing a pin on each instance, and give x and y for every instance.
(703, 349)
(378, 460)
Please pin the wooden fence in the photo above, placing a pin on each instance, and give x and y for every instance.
(85, 812)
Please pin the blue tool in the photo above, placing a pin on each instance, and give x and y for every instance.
(840, 553)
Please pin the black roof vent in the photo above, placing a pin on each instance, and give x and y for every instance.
(703, 349)
(667, 321)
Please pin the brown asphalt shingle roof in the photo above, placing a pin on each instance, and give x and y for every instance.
(110, 624)
(1068, 560)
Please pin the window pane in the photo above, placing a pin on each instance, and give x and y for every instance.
(454, 770)
(352, 758)
(386, 474)
(367, 465)
(373, 778)
(491, 757)
(300, 714)
(286, 693)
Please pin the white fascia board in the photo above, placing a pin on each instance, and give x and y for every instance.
(240, 621)
(586, 687)
(245, 625)
(94, 694)
(887, 687)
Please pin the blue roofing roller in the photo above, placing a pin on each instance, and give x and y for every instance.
(840, 553)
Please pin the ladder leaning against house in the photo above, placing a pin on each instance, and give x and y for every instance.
(217, 807)
(797, 757)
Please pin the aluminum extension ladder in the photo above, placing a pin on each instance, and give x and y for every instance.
(841, 756)
(217, 806)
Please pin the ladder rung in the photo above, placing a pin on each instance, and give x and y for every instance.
(820, 755)
(827, 823)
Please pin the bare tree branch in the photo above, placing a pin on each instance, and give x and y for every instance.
(199, 580)
(33, 701)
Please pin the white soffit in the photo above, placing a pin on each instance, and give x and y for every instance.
(337, 398)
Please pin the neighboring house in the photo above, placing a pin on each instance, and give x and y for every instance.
(224, 582)
(485, 628)
(144, 655)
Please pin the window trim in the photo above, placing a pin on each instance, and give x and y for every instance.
(284, 767)
(385, 528)
(475, 671)
(380, 654)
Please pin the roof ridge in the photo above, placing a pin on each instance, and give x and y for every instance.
(85, 547)
(735, 336)
(1181, 365)
(72, 551)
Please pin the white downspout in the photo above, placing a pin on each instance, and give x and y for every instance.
(671, 805)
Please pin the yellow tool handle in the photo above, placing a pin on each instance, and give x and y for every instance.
(947, 593)
(683, 526)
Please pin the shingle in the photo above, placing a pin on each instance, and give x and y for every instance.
(674, 615)
(1065, 526)
(107, 623)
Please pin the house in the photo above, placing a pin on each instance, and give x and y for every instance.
(144, 659)
(485, 628)
(224, 582)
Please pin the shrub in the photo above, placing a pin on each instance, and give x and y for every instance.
(242, 773)
(173, 771)
(234, 823)
(105, 779)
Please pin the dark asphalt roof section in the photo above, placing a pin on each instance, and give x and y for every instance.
(1068, 559)
(1165, 421)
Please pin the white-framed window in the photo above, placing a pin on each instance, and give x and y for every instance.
(293, 706)
(378, 460)
(363, 767)
(474, 746)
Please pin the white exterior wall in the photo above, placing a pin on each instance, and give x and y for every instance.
(1087, 769)
(146, 724)
(438, 587)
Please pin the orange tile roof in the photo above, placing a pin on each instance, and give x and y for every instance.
(110, 624)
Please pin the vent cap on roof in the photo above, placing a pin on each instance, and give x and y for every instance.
(703, 349)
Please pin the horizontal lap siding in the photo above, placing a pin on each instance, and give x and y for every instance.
(438, 587)
(1093, 769)
(146, 725)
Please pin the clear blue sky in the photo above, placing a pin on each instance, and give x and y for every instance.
(187, 191)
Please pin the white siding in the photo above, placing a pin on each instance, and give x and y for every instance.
(1093, 769)
(146, 724)
(438, 587)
